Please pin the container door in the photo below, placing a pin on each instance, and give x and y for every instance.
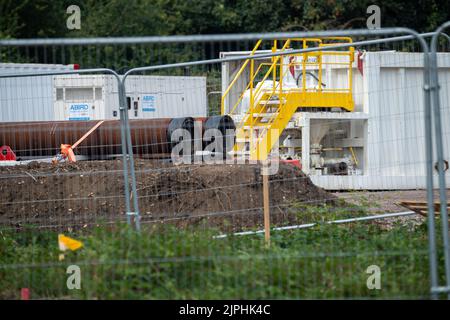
(79, 104)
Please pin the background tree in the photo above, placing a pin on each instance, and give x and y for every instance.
(45, 18)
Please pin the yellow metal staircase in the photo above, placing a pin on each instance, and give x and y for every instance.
(271, 108)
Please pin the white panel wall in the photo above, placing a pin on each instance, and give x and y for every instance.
(173, 96)
(156, 96)
(27, 98)
(392, 91)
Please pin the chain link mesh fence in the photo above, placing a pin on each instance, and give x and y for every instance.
(336, 231)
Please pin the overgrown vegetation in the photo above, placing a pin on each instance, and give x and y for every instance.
(327, 261)
(119, 18)
(43, 18)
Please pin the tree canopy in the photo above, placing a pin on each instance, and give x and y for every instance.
(45, 18)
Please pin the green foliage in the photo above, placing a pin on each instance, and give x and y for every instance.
(327, 261)
(28, 19)
(108, 18)
(41, 18)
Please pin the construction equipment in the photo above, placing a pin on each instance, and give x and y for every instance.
(67, 149)
(288, 83)
(6, 154)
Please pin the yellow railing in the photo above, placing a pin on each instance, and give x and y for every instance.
(246, 88)
(252, 78)
(267, 99)
(277, 63)
(266, 115)
(225, 94)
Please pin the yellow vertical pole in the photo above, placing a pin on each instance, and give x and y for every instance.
(285, 46)
(252, 100)
(274, 60)
(350, 71)
(319, 60)
(252, 69)
(304, 68)
(281, 59)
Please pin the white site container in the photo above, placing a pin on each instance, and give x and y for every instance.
(390, 93)
(95, 97)
(389, 100)
(27, 98)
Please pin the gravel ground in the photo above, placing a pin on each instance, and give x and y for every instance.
(379, 202)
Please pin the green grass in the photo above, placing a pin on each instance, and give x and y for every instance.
(327, 261)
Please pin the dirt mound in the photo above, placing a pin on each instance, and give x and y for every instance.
(86, 193)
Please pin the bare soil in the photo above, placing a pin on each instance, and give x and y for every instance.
(82, 194)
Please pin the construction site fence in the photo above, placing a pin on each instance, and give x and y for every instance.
(149, 229)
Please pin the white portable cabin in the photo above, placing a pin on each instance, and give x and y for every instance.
(27, 98)
(95, 97)
(385, 132)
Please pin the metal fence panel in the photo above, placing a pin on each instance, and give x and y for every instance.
(202, 225)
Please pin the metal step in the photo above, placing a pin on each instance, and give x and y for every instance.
(254, 127)
(265, 115)
(269, 102)
(240, 152)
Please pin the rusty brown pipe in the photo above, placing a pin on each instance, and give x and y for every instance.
(43, 139)
(38, 139)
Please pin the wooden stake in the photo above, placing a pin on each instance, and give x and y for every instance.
(265, 173)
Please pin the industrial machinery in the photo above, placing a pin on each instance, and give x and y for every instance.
(354, 119)
(273, 99)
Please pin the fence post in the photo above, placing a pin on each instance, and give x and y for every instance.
(129, 149)
(436, 105)
(122, 112)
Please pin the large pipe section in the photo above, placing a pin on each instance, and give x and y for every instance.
(225, 125)
(150, 137)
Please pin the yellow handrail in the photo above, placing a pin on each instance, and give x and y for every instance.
(273, 91)
(253, 76)
(259, 88)
(271, 119)
(246, 88)
(236, 77)
(261, 97)
(282, 74)
(277, 58)
(304, 63)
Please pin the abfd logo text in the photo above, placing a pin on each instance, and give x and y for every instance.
(78, 107)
